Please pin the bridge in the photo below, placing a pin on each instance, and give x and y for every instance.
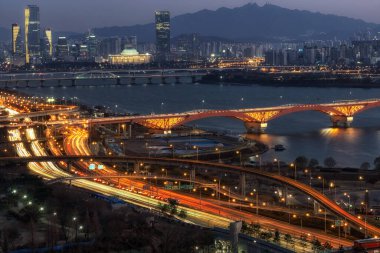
(341, 114)
(225, 168)
(117, 77)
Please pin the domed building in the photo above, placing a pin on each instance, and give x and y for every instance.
(130, 56)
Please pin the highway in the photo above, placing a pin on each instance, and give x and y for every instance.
(201, 211)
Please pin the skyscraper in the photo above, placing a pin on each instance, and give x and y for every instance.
(32, 33)
(62, 51)
(162, 35)
(16, 40)
(48, 43)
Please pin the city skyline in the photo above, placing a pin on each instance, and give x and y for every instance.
(111, 14)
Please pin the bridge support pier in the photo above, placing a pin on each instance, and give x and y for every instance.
(42, 83)
(163, 80)
(133, 81)
(150, 80)
(118, 81)
(255, 127)
(193, 79)
(341, 121)
(177, 80)
(73, 82)
(242, 184)
(27, 83)
(68, 165)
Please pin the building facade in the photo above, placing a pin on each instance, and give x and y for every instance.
(32, 34)
(162, 35)
(130, 57)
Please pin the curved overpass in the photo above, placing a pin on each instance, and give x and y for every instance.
(319, 197)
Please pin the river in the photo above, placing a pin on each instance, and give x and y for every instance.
(304, 133)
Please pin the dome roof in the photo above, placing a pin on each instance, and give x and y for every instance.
(129, 51)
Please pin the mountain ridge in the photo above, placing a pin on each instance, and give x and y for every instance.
(251, 21)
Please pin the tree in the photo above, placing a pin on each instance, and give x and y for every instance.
(329, 162)
(277, 236)
(288, 239)
(30, 215)
(164, 208)
(327, 245)
(266, 235)
(256, 228)
(376, 162)
(316, 245)
(313, 163)
(183, 214)
(365, 166)
(301, 162)
(303, 241)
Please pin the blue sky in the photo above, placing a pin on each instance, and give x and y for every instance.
(80, 15)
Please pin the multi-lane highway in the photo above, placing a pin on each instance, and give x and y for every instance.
(52, 164)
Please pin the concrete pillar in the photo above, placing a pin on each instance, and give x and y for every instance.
(130, 130)
(118, 81)
(59, 83)
(133, 80)
(73, 82)
(68, 166)
(177, 80)
(255, 127)
(27, 83)
(242, 184)
(193, 79)
(341, 121)
(150, 80)
(163, 80)
(42, 83)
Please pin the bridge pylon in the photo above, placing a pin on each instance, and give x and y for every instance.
(255, 127)
(341, 121)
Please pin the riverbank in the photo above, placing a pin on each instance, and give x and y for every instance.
(293, 79)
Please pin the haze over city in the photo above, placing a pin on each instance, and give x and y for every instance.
(80, 15)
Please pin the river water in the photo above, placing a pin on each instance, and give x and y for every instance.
(304, 133)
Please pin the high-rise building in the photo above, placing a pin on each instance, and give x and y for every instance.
(110, 46)
(92, 45)
(16, 40)
(162, 35)
(48, 43)
(32, 33)
(62, 51)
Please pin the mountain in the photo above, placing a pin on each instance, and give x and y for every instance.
(252, 22)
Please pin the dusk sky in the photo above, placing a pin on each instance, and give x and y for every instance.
(80, 15)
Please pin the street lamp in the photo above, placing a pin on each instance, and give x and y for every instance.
(278, 165)
(218, 150)
(239, 154)
(293, 165)
(259, 157)
(172, 147)
(197, 148)
(323, 184)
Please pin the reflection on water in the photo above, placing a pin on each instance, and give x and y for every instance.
(304, 133)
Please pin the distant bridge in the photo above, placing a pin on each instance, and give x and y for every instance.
(117, 77)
